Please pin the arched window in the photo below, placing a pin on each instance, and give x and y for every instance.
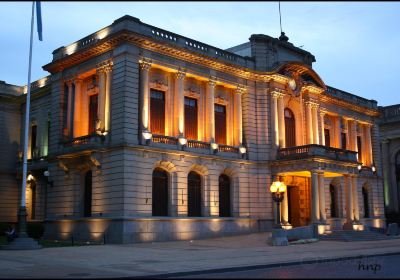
(290, 129)
(334, 208)
(87, 195)
(366, 201)
(160, 193)
(224, 196)
(194, 194)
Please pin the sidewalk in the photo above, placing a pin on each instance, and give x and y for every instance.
(145, 259)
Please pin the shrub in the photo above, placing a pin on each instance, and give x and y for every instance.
(35, 229)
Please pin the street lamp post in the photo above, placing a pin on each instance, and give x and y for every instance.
(278, 189)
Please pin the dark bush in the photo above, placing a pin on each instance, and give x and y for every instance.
(3, 228)
(35, 229)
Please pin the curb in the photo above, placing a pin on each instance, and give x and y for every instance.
(253, 267)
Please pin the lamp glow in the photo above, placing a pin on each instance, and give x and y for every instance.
(147, 135)
(359, 167)
(242, 150)
(182, 141)
(214, 146)
(30, 178)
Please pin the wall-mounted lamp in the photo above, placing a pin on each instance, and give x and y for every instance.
(214, 147)
(30, 178)
(359, 167)
(242, 150)
(147, 136)
(182, 141)
(373, 168)
(46, 174)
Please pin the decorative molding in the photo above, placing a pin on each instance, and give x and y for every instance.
(145, 64)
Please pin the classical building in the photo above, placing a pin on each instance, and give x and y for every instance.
(140, 134)
(390, 140)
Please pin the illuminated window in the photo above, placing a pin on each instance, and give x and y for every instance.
(220, 124)
(191, 118)
(157, 111)
(93, 107)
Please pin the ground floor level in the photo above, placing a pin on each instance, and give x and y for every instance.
(136, 195)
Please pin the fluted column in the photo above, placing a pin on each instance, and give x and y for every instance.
(274, 119)
(238, 116)
(281, 121)
(107, 105)
(368, 145)
(338, 133)
(321, 192)
(101, 99)
(145, 94)
(315, 124)
(349, 199)
(210, 110)
(78, 108)
(70, 108)
(285, 208)
(322, 113)
(354, 135)
(180, 77)
(309, 126)
(314, 198)
(355, 198)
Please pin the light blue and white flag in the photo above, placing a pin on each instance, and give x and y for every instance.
(39, 19)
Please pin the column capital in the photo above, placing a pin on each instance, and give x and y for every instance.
(212, 81)
(181, 74)
(322, 111)
(240, 89)
(145, 64)
(104, 66)
(277, 93)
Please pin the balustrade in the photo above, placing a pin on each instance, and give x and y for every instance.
(317, 150)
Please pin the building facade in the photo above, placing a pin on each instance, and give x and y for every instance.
(390, 143)
(139, 134)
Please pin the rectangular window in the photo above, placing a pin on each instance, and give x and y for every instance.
(359, 148)
(344, 137)
(34, 149)
(157, 111)
(327, 137)
(65, 111)
(220, 124)
(191, 118)
(93, 100)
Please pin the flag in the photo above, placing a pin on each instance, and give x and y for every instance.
(39, 19)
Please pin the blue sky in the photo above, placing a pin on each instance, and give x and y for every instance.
(356, 44)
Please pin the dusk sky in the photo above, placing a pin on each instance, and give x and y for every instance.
(356, 44)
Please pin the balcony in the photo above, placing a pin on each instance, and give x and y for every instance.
(170, 142)
(313, 150)
(86, 142)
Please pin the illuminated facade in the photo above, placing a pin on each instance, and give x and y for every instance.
(147, 136)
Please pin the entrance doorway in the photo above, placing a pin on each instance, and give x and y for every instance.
(298, 205)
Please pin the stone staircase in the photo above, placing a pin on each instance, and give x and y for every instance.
(354, 235)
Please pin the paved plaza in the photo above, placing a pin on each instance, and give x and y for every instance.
(167, 258)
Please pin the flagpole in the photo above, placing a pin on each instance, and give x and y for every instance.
(23, 241)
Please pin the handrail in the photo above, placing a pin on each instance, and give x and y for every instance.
(317, 150)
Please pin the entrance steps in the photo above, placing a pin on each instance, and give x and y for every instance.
(354, 235)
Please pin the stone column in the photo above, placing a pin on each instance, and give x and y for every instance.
(180, 77)
(321, 191)
(210, 110)
(349, 199)
(314, 197)
(107, 105)
(145, 94)
(101, 98)
(315, 123)
(274, 119)
(354, 188)
(70, 108)
(281, 122)
(347, 126)
(238, 116)
(390, 191)
(338, 132)
(78, 109)
(322, 113)
(309, 131)
(368, 145)
(354, 135)
(285, 208)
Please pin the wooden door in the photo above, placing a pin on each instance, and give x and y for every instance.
(220, 124)
(294, 206)
(157, 111)
(224, 196)
(93, 104)
(160, 193)
(290, 129)
(194, 195)
(191, 118)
